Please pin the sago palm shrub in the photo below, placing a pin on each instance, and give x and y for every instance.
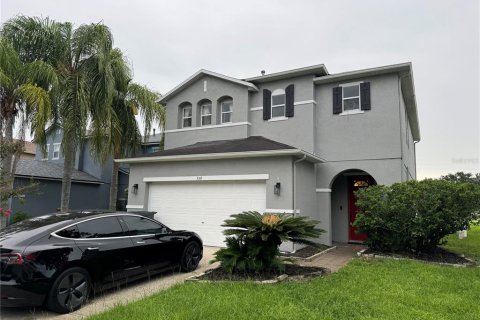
(253, 240)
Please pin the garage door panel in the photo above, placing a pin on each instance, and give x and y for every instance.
(203, 206)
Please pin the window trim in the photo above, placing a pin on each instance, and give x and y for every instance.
(54, 233)
(206, 115)
(276, 93)
(226, 112)
(352, 111)
(185, 118)
(47, 155)
(53, 154)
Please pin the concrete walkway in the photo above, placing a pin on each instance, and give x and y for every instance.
(336, 258)
(110, 299)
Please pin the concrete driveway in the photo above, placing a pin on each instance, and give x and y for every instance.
(107, 300)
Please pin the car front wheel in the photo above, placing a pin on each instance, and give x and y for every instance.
(191, 256)
(69, 291)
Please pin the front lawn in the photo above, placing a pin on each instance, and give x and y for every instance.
(470, 246)
(364, 289)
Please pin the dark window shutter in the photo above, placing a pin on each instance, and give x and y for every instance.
(267, 104)
(289, 101)
(337, 100)
(365, 95)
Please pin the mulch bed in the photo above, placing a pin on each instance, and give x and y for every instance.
(291, 270)
(306, 252)
(438, 256)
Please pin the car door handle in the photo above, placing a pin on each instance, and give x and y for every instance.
(140, 242)
(92, 248)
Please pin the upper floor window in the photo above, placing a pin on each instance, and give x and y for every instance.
(206, 111)
(278, 103)
(351, 97)
(56, 151)
(227, 109)
(46, 155)
(187, 116)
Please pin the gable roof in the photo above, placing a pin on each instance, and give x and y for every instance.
(254, 146)
(404, 70)
(317, 70)
(44, 170)
(198, 75)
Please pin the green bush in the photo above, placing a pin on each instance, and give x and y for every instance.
(415, 216)
(253, 240)
(19, 216)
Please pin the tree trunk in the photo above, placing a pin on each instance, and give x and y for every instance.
(70, 149)
(114, 185)
(6, 166)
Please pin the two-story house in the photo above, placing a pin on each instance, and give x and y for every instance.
(299, 141)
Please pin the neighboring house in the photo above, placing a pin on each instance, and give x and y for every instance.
(298, 142)
(90, 180)
(151, 143)
(29, 150)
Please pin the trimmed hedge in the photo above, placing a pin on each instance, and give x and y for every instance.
(415, 216)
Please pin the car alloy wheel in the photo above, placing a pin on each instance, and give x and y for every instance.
(191, 256)
(70, 291)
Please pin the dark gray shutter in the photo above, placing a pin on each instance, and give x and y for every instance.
(267, 104)
(289, 100)
(365, 95)
(337, 100)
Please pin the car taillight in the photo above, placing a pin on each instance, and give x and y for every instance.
(11, 258)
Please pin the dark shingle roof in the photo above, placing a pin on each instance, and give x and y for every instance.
(47, 170)
(254, 143)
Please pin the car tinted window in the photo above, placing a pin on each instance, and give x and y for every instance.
(101, 228)
(70, 232)
(138, 225)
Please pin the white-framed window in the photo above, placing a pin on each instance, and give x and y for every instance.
(206, 111)
(227, 110)
(278, 103)
(56, 151)
(186, 116)
(46, 155)
(351, 97)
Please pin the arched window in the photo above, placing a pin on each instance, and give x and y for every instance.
(186, 115)
(205, 112)
(278, 103)
(225, 110)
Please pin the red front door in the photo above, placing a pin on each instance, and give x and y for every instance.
(355, 183)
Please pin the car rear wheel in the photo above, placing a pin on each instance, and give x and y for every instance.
(191, 256)
(69, 291)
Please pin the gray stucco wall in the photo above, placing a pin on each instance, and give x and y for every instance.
(187, 137)
(408, 146)
(216, 90)
(374, 134)
(278, 168)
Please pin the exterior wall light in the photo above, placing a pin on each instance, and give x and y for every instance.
(276, 189)
(135, 188)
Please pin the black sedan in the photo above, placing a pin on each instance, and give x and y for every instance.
(58, 260)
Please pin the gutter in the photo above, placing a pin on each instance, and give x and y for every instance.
(224, 155)
(294, 189)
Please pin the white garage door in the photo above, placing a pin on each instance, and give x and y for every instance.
(203, 206)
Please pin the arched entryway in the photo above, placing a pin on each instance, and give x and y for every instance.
(343, 205)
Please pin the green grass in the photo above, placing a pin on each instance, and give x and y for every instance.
(362, 290)
(470, 246)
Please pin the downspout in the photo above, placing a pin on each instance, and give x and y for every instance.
(294, 189)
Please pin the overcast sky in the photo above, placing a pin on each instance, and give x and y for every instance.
(167, 41)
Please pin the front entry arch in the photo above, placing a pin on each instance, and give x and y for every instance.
(344, 210)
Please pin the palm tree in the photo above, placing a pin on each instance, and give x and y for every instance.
(86, 69)
(25, 89)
